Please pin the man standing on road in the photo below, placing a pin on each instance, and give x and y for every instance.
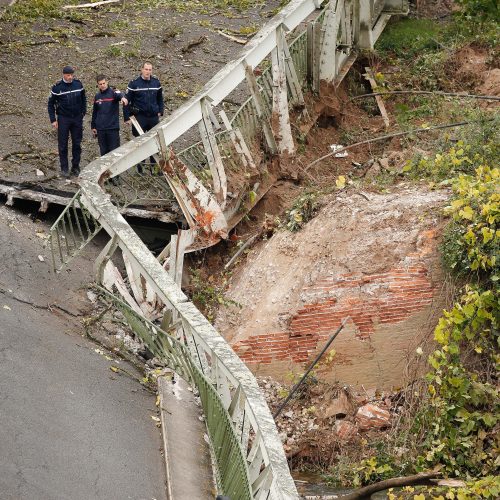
(67, 106)
(145, 98)
(105, 122)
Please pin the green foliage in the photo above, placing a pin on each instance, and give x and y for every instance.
(302, 211)
(372, 470)
(464, 406)
(35, 9)
(443, 165)
(408, 37)
(426, 51)
(207, 6)
(484, 9)
(487, 487)
(471, 242)
(405, 113)
(208, 295)
(477, 144)
(113, 51)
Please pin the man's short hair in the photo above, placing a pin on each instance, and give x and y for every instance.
(146, 62)
(100, 77)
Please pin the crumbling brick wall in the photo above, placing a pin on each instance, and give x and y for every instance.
(387, 311)
(384, 298)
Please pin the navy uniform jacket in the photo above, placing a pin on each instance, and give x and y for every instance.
(145, 97)
(67, 99)
(106, 110)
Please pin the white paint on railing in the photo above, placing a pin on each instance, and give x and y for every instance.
(269, 465)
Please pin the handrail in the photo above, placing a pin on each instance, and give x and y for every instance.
(238, 393)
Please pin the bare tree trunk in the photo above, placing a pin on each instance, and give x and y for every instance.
(395, 482)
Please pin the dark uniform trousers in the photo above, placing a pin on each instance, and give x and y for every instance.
(69, 125)
(108, 140)
(146, 122)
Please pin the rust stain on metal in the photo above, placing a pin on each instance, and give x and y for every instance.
(203, 216)
(104, 177)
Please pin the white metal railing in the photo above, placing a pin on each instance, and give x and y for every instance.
(152, 291)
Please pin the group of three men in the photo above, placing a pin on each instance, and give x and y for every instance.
(67, 106)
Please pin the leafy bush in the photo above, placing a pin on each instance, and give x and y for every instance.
(302, 211)
(443, 165)
(208, 294)
(487, 487)
(478, 144)
(484, 9)
(464, 406)
(471, 242)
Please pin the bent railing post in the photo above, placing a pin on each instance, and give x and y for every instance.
(250, 460)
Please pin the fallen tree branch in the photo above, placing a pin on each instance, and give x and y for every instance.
(89, 5)
(389, 136)
(240, 250)
(189, 47)
(417, 479)
(427, 92)
(233, 38)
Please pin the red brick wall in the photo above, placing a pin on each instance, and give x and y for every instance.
(368, 300)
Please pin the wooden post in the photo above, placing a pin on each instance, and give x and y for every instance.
(380, 102)
(280, 98)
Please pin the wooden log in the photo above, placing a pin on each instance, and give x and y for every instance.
(380, 102)
(396, 482)
(233, 38)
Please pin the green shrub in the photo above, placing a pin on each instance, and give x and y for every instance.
(471, 242)
(484, 9)
(464, 406)
(302, 211)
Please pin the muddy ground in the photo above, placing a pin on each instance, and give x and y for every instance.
(180, 39)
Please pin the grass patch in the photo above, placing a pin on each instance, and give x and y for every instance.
(408, 37)
(31, 10)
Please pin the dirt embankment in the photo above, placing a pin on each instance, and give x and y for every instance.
(371, 258)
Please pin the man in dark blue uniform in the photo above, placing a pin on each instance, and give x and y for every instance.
(145, 98)
(67, 106)
(105, 122)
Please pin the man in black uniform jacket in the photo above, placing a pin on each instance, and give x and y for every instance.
(105, 122)
(145, 98)
(67, 106)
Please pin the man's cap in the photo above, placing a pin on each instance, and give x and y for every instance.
(68, 70)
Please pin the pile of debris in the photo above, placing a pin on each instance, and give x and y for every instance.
(324, 417)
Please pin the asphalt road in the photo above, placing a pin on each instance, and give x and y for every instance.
(70, 428)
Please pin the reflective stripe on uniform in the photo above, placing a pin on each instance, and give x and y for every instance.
(67, 92)
(148, 88)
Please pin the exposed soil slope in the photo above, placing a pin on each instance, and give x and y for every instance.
(373, 260)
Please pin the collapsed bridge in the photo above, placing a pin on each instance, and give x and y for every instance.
(214, 182)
